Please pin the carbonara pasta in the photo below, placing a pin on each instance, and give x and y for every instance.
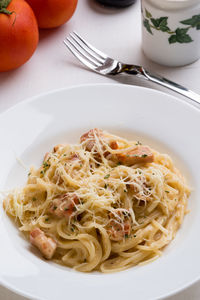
(105, 204)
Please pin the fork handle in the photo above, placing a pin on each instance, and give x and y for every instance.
(172, 86)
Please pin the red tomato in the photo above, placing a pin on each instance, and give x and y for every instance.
(18, 35)
(53, 13)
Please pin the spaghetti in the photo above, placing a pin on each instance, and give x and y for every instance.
(105, 204)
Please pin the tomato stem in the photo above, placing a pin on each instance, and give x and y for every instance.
(3, 7)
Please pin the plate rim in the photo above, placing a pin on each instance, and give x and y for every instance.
(184, 100)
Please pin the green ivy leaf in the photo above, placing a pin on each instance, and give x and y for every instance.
(181, 31)
(155, 22)
(147, 25)
(182, 36)
(148, 14)
(164, 28)
(184, 39)
(161, 23)
(194, 22)
(172, 39)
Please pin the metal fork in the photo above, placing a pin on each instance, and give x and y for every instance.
(99, 62)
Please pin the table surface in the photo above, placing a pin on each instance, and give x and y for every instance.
(117, 32)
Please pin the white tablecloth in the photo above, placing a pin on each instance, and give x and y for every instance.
(117, 32)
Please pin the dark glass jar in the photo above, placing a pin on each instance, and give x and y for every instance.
(117, 3)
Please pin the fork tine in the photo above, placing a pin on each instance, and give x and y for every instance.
(78, 55)
(83, 53)
(82, 44)
(96, 51)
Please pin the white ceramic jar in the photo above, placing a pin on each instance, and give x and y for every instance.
(171, 31)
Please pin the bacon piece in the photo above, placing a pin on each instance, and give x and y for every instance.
(141, 154)
(90, 143)
(56, 148)
(64, 205)
(119, 227)
(46, 245)
(89, 138)
(74, 157)
(113, 145)
(118, 231)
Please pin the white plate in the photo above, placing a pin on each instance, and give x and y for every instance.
(31, 128)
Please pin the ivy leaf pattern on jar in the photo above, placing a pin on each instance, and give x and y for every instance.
(179, 35)
(193, 22)
(147, 26)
